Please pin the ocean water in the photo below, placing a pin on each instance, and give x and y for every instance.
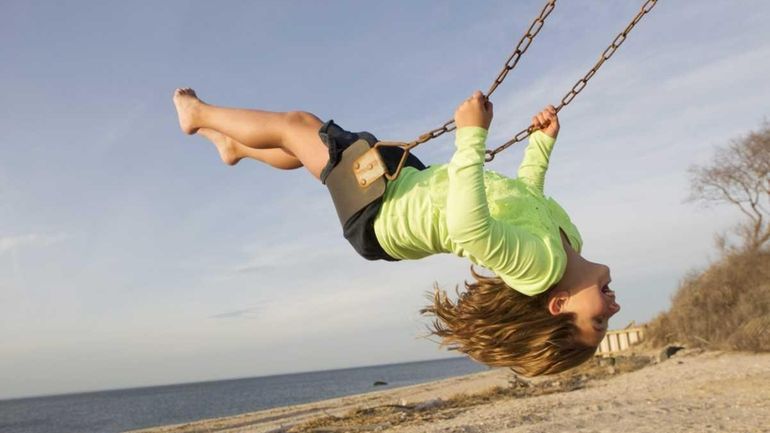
(127, 409)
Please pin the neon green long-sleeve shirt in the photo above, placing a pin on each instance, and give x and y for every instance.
(504, 224)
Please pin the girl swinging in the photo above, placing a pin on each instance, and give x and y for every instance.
(546, 308)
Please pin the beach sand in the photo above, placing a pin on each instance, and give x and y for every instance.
(692, 391)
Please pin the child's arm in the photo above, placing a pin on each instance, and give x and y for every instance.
(506, 249)
(536, 156)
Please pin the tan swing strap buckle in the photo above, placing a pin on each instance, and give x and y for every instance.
(369, 167)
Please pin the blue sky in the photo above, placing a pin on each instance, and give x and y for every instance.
(130, 255)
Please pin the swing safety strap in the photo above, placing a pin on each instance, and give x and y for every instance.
(357, 180)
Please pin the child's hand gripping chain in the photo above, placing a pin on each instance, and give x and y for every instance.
(474, 111)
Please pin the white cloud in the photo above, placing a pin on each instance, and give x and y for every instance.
(10, 243)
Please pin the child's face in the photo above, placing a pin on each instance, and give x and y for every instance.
(593, 304)
(584, 291)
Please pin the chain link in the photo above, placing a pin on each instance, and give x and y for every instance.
(511, 63)
(522, 46)
(581, 83)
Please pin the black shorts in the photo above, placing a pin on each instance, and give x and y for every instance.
(359, 229)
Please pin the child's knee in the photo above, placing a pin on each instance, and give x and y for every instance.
(300, 119)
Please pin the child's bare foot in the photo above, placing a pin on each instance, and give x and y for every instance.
(186, 102)
(227, 147)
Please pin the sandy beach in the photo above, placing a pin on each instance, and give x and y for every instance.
(691, 391)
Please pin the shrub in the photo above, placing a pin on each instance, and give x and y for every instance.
(727, 306)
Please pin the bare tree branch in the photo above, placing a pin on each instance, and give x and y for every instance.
(739, 175)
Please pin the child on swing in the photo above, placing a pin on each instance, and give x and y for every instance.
(545, 310)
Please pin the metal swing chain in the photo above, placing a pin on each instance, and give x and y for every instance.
(510, 64)
(581, 83)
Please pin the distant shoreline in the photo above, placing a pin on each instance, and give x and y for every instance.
(475, 382)
(121, 410)
(208, 381)
(699, 391)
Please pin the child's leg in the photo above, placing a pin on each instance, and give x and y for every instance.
(232, 151)
(294, 132)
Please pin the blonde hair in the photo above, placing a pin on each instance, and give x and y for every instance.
(498, 326)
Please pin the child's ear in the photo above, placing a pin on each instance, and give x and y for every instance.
(557, 301)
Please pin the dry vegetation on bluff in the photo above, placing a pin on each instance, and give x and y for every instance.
(727, 306)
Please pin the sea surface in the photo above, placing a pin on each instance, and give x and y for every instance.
(128, 409)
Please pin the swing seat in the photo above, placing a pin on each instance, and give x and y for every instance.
(357, 180)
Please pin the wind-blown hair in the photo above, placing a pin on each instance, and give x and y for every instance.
(498, 326)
